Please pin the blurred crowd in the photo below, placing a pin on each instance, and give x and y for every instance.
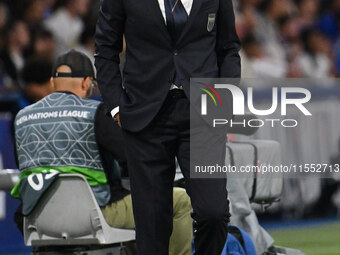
(289, 38)
(280, 38)
(33, 33)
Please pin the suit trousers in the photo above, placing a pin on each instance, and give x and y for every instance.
(151, 155)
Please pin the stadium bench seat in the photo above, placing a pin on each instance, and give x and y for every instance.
(68, 215)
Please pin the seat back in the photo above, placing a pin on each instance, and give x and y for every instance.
(68, 214)
(8, 178)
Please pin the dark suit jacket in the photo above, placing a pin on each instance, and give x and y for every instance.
(152, 57)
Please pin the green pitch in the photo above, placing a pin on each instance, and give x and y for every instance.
(312, 240)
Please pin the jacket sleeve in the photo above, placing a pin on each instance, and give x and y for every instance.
(108, 45)
(227, 43)
(109, 135)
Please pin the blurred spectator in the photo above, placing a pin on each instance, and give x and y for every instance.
(11, 56)
(329, 21)
(337, 57)
(66, 23)
(43, 43)
(267, 31)
(307, 12)
(86, 46)
(270, 12)
(36, 76)
(15, 8)
(33, 12)
(290, 39)
(3, 22)
(48, 10)
(87, 42)
(246, 17)
(315, 61)
(255, 64)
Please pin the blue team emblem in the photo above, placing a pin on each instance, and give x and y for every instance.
(211, 21)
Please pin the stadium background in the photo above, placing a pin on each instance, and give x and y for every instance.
(280, 38)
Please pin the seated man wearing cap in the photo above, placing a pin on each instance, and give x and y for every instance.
(65, 132)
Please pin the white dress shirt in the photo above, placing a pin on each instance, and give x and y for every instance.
(187, 6)
(186, 3)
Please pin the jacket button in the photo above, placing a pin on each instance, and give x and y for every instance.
(175, 52)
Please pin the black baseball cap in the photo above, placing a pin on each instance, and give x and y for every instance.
(80, 65)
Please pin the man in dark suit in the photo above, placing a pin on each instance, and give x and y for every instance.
(167, 42)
